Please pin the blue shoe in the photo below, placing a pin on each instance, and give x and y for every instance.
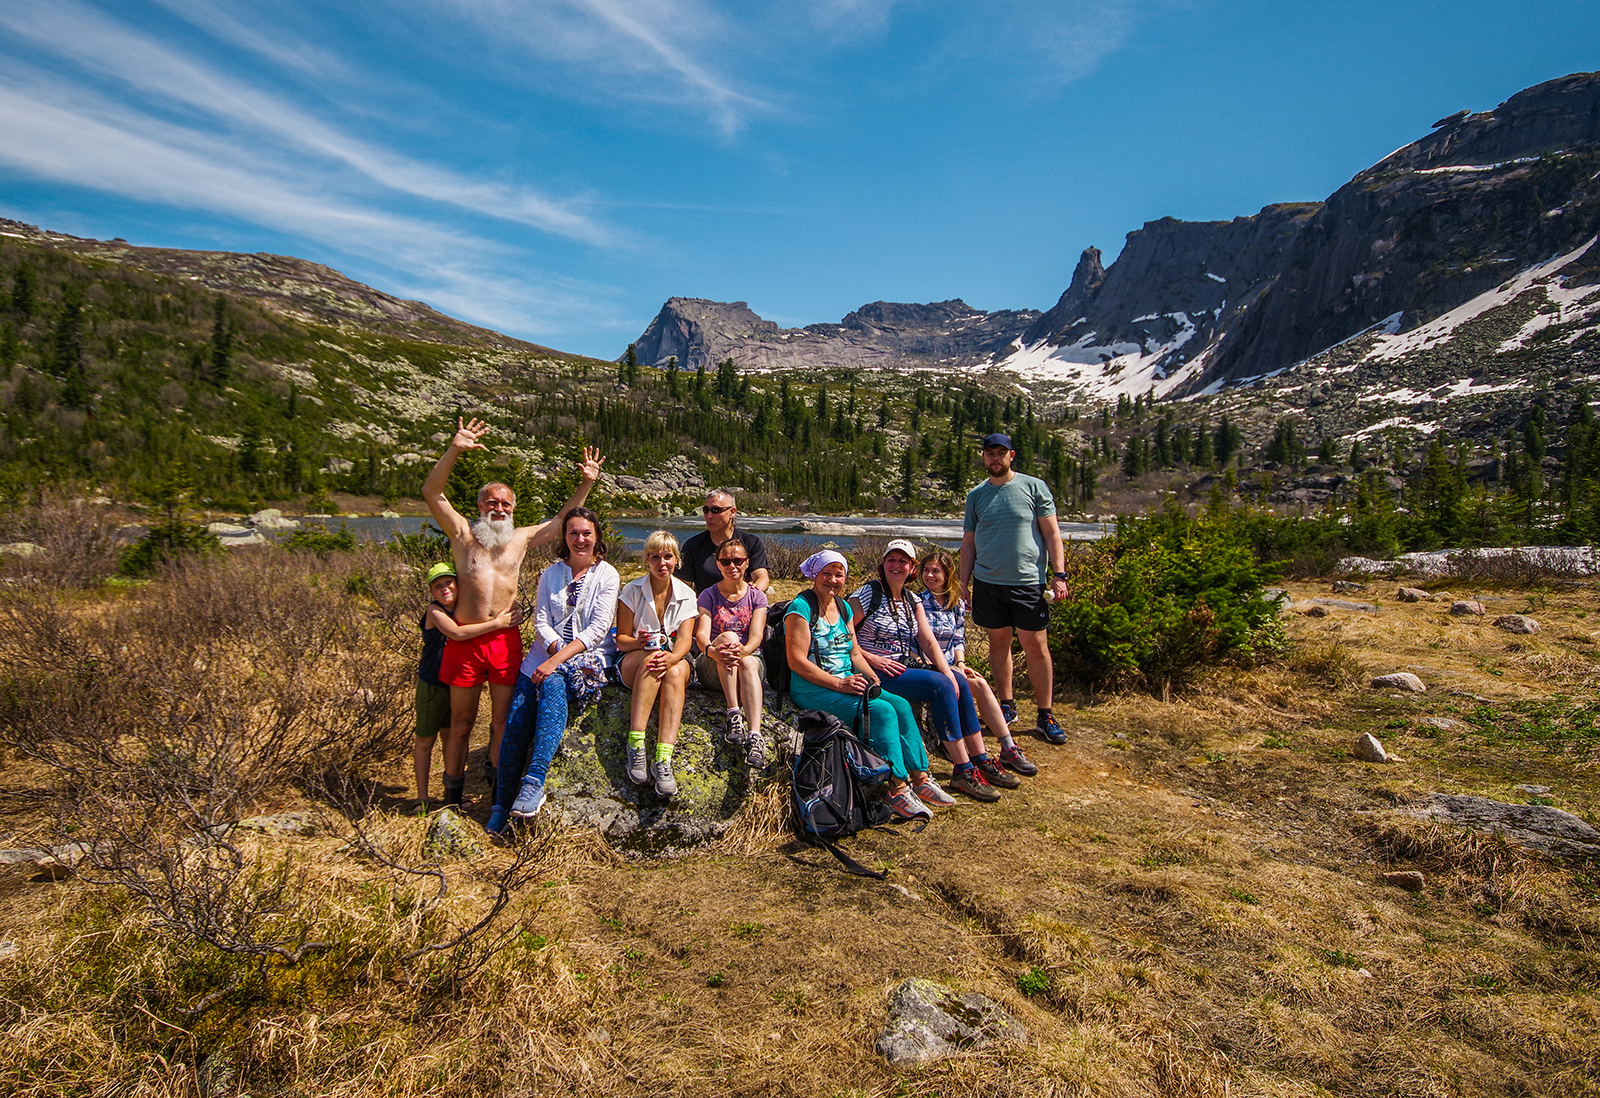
(496, 823)
(1008, 710)
(1050, 730)
(530, 800)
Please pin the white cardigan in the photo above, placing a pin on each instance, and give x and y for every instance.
(596, 609)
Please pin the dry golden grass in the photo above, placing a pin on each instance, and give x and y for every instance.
(1190, 893)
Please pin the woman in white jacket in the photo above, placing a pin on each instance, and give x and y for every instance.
(576, 604)
(656, 616)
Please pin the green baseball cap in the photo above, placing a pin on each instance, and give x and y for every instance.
(443, 568)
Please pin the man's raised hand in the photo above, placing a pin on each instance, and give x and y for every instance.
(592, 460)
(468, 434)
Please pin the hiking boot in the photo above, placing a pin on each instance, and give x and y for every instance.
(735, 730)
(996, 775)
(454, 792)
(930, 794)
(638, 769)
(760, 751)
(666, 784)
(905, 805)
(973, 784)
(529, 800)
(1008, 710)
(496, 824)
(1013, 758)
(1050, 730)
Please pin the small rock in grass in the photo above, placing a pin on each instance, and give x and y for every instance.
(1466, 608)
(1532, 790)
(1368, 749)
(449, 839)
(1444, 724)
(7, 948)
(1316, 611)
(1408, 879)
(1343, 586)
(286, 823)
(1516, 623)
(1413, 594)
(1399, 680)
(928, 1021)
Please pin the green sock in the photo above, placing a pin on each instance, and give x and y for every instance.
(664, 752)
(636, 738)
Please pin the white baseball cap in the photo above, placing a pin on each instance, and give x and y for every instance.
(903, 545)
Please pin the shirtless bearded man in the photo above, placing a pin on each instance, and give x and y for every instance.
(488, 555)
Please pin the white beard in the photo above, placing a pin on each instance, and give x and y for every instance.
(493, 533)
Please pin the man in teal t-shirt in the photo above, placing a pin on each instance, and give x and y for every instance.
(1009, 534)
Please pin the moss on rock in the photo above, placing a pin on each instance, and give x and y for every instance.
(588, 783)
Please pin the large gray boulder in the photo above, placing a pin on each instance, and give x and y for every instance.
(588, 784)
(928, 1021)
(1541, 827)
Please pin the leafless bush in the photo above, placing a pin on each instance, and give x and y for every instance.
(868, 551)
(783, 558)
(172, 714)
(1522, 567)
(77, 543)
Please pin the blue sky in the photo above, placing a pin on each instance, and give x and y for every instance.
(558, 169)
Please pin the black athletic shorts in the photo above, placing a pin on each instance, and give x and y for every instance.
(995, 606)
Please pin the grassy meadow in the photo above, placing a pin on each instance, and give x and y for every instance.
(1187, 901)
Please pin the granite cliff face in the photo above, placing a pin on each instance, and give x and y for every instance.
(883, 335)
(1189, 307)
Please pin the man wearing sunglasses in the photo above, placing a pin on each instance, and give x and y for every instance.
(699, 565)
(488, 557)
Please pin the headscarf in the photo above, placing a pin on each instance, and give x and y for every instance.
(816, 562)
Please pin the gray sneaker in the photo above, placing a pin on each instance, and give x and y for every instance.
(666, 784)
(759, 753)
(736, 730)
(529, 800)
(638, 769)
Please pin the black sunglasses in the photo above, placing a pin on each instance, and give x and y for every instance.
(731, 561)
(710, 510)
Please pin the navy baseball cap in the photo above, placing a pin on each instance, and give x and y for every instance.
(998, 439)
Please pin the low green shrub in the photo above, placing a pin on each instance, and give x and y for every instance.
(1164, 598)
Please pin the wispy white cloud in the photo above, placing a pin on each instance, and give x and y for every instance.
(74, 138)
(227, 24)
(672, 50)
(86, 38)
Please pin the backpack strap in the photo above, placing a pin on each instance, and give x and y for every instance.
(850, 863)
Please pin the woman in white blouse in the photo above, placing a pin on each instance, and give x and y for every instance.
(576, 604)
(656, 617)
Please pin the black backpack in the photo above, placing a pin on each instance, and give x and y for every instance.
(774, 653)
(826, 791)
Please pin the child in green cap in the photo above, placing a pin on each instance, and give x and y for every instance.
(433, 697)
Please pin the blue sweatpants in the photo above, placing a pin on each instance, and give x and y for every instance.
(952, 710)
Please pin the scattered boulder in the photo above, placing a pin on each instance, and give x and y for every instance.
(928, 1021)
(1408, 879)
(1413, 594)
(1366, 566)
(23, 549)
(1539, 827)
(1350, 587)
(449, 839)
(253, 537)
(227, 529)
(271, 519)
(1444, 724)
(1275, 594)
(1466, 608)
(1516, 623)
(284, 823)
(1400, 680)
(1345, 604)
(1368, 749)
(1532, 790)
(389, 514)
(1309, 609)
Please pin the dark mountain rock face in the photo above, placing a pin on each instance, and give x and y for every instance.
(882, 335)
(1424, 230)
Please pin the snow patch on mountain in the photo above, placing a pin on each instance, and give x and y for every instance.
(1107, 370)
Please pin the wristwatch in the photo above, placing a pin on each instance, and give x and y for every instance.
(1058, 575)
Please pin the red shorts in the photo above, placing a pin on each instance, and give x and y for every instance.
(494, 658)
